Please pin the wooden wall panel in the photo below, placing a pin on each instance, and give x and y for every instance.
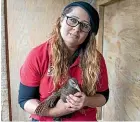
(29, 24)
(121, 49)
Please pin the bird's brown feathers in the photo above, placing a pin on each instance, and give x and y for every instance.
(51, 101)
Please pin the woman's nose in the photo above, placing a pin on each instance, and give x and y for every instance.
(77, 27)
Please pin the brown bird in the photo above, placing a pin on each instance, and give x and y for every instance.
(71, 87)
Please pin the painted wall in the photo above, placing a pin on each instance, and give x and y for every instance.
(29, 24)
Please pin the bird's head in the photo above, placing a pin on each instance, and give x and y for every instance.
(73, 83)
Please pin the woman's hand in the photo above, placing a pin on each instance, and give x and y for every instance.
(76, 101)
(61, 109)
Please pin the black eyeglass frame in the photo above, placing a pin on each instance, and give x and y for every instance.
(78, 22)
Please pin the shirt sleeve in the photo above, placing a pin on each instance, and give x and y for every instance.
(30, 72)
(26, 93)
(102, 83)
(105, 94)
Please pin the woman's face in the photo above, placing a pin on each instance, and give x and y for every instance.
(74, 36)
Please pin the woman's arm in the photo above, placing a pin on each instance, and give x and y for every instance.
(79, 100)
(97, 100)
(31, 105)
(28, 100)
(60, 109)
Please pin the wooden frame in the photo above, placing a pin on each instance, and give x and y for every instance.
(100, 7)
(7, 60)
(100, 4)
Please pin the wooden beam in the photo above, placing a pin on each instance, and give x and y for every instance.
(101, 29)
(100, 4)
(7, 59)
(105, 2)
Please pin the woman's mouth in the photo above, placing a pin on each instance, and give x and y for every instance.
(74, 36)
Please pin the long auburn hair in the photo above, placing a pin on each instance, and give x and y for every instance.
(89, 59)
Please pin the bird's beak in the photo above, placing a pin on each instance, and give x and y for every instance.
(77, 87)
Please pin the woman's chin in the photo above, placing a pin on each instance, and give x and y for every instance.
(71, 43)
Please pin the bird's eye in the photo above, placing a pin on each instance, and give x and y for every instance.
(73, 84)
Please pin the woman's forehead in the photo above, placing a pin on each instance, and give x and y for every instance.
(79, 13)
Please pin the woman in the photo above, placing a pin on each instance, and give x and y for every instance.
(70, 52)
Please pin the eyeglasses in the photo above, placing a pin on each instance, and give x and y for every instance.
(73, 22)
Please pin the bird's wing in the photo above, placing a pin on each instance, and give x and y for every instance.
(50, 102)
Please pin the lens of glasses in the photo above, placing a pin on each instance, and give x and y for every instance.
(85, 27)
(74, 22)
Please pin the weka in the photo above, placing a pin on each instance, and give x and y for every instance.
(71, 87)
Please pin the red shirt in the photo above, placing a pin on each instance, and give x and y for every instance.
(36, 71)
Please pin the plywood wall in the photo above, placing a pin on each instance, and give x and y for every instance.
(121, 49)
(29, 24)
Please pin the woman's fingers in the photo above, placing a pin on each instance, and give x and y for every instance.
(74, 98)
(74, 102)
(77, 101)
(78, 94)
(72, 106)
